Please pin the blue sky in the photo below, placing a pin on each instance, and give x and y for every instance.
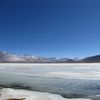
(61, 28)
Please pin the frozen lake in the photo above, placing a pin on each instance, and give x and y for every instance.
(68, 80)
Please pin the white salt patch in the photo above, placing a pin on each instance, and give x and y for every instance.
(7, 93)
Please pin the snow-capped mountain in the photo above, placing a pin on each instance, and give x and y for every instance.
(7, 57)
(11, 58)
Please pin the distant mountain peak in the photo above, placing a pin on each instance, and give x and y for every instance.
(6, 57)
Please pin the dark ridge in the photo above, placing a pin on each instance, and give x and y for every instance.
(92, 59)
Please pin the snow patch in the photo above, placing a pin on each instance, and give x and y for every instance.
(7, 93)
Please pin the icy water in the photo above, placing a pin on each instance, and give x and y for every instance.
(67, 80)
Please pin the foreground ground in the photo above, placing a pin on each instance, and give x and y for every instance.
(68, 80)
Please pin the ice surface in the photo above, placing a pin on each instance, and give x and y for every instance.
(7, 93)
(75, 71)
(67, 79)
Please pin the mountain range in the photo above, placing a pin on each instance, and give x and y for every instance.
(11, 58)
